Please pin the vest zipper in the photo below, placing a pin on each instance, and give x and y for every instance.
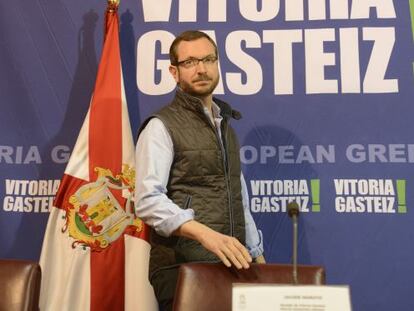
(226, 167)
(224, 135)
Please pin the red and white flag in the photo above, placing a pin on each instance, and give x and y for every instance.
(95, 251)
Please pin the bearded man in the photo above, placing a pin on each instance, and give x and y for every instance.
(189, 186)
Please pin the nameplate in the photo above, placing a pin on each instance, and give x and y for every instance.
(266, 297)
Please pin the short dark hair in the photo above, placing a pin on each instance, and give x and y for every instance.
(189, 35)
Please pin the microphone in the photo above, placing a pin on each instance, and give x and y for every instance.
(293, 212)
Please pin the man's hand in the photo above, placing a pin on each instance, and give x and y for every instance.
(227, 248)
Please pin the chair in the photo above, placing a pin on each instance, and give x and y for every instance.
(203, 286)
(19, 285)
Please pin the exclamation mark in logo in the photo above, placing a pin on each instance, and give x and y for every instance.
(412, 19)
(316, 207)
(402, 206)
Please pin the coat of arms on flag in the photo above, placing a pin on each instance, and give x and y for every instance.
(96, 218)
(95, 251)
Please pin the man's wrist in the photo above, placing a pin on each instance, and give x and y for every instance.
(191, 229)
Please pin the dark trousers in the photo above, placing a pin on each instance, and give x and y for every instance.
(164, 283)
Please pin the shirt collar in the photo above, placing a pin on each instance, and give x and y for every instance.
(215, 110)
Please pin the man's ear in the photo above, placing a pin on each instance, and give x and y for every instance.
(174, 72)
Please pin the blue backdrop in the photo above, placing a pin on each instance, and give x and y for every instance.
(325, 89)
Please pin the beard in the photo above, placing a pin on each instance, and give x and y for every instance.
(200, 90)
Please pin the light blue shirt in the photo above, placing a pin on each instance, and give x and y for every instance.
(154, 157)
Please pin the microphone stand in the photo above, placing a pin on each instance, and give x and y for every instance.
(293, 212)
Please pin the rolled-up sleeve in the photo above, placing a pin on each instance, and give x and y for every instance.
(254, 237)
(154, 155)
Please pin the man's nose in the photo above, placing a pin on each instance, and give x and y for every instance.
(201, 67)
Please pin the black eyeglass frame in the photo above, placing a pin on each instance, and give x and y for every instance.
(195, 61)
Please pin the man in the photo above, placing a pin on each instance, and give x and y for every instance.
(189, 187)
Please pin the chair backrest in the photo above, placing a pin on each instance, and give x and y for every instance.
(19, 285)
(202, 286)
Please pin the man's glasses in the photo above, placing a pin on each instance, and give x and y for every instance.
(192, 62)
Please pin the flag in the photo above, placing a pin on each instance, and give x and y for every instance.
(95, 251)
